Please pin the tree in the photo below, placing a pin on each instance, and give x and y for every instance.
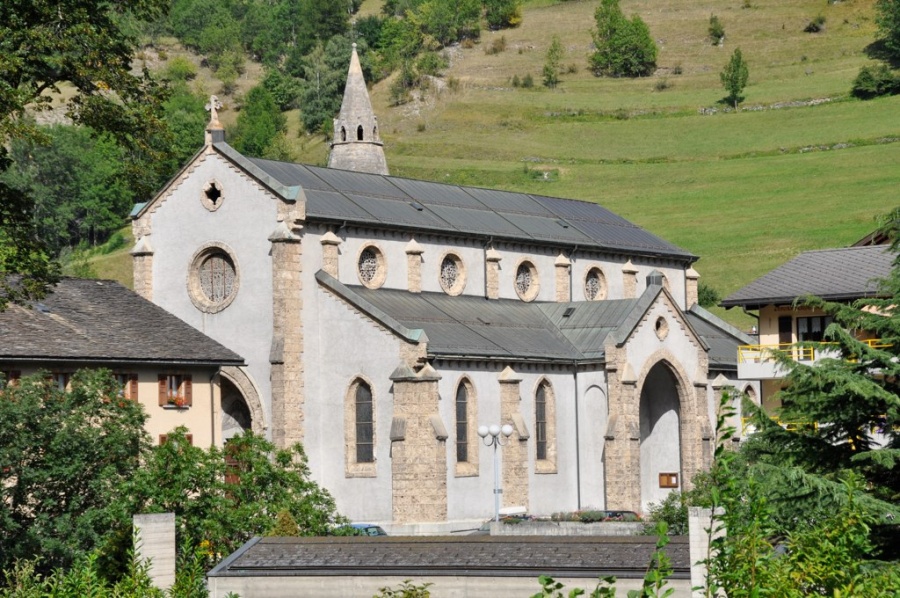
(259, 122)
(62, 457)
(503, 13)
(222, 498)
(551, 65)
(624, 47)
(77, 182)
(888, 20)
(84, 45)
(734, 78)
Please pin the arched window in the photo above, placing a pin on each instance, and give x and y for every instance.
(359, 430)
(359, 133)
(540, 422)
(544, 428)
(375, 133)
(343, 134)
(462, 424)
(466, 417)
(365, 424)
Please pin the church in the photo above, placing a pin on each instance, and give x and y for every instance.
(383, 320)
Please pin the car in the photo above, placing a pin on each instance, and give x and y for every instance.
(367, 529)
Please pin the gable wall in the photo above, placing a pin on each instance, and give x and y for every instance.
(179, 225)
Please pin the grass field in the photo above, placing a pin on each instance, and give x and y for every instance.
(801, 166)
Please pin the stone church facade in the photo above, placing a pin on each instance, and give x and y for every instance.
(384, 319)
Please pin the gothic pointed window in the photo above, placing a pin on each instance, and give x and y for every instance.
(343, 134)
(540, 422)
(462, 424)
(545, 428)
(359, 133)
(365, 424)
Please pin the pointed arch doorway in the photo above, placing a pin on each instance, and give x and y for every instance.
(660, 423)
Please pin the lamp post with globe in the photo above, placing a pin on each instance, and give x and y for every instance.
(491, 436)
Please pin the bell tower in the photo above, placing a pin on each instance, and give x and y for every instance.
(357, 144)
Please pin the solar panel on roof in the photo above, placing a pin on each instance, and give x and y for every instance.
(547, 229)
(360, 182)
(479, 222)
(390, 211)
(506, 201)
(332, 205)
(292, 174)
(437, 193)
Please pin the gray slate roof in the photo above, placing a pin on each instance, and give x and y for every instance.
(468, 326)
(102, 321)
(525, 556)
(834, 274)
(342, 196)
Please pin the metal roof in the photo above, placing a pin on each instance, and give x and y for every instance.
(469, 326)
(100, 320)
(834, 274)
(469, 556)
(393, 202)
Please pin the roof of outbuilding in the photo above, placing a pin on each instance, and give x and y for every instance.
(344, 196)
(834, 274)
(102, 321)
(470, 556)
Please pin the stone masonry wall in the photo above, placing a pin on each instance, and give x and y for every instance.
(514, 456)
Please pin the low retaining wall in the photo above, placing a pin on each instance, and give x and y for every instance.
(567, 528)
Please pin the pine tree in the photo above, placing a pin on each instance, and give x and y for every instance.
(551, 66)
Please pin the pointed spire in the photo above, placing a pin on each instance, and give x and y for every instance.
(357, 143)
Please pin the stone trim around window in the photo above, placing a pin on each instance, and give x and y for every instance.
(213, 277)
(352, 467)
(212, 195)
(371, 267)
(595, 286)
(547, 464)
(452, 274)
(469, 467)
(526, 282)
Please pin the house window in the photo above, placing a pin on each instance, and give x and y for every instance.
(61, 380)
(365, 425)
(359, 133)
(128, 386)
(164, 439)
(526, 281)
(212, 196)
(545, 429)
(453, 278)
(9, 378)
(812, 329)
(175, 390)
(462, 424)
(370, 267)
(595, 285)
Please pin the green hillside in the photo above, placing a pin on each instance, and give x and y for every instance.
(801, 166)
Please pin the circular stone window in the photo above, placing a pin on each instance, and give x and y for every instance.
(595, 285)
(370, 267)
(662, 328)
(213, 279)
(527, 286)
(453, 274)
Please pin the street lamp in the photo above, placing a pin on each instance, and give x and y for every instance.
(495, 440)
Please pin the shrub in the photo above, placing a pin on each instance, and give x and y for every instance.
(516, 82)
(816, 25)
(874, 81)
(673, 510)
(677, 70)
(624, 47)
(716, 30)
(707, 296)
(662, 84)
(528, 81)
(496, 46)
(180, 69)
(431, 63)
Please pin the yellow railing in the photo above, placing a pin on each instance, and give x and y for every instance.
(760, 353)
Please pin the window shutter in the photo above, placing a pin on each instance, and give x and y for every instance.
(133, 387)
(189, 438)
(188, 393)
(163, 438)
(163, 386)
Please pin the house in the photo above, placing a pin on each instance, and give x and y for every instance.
(841, 275)
(165, 364)
(385, 319)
